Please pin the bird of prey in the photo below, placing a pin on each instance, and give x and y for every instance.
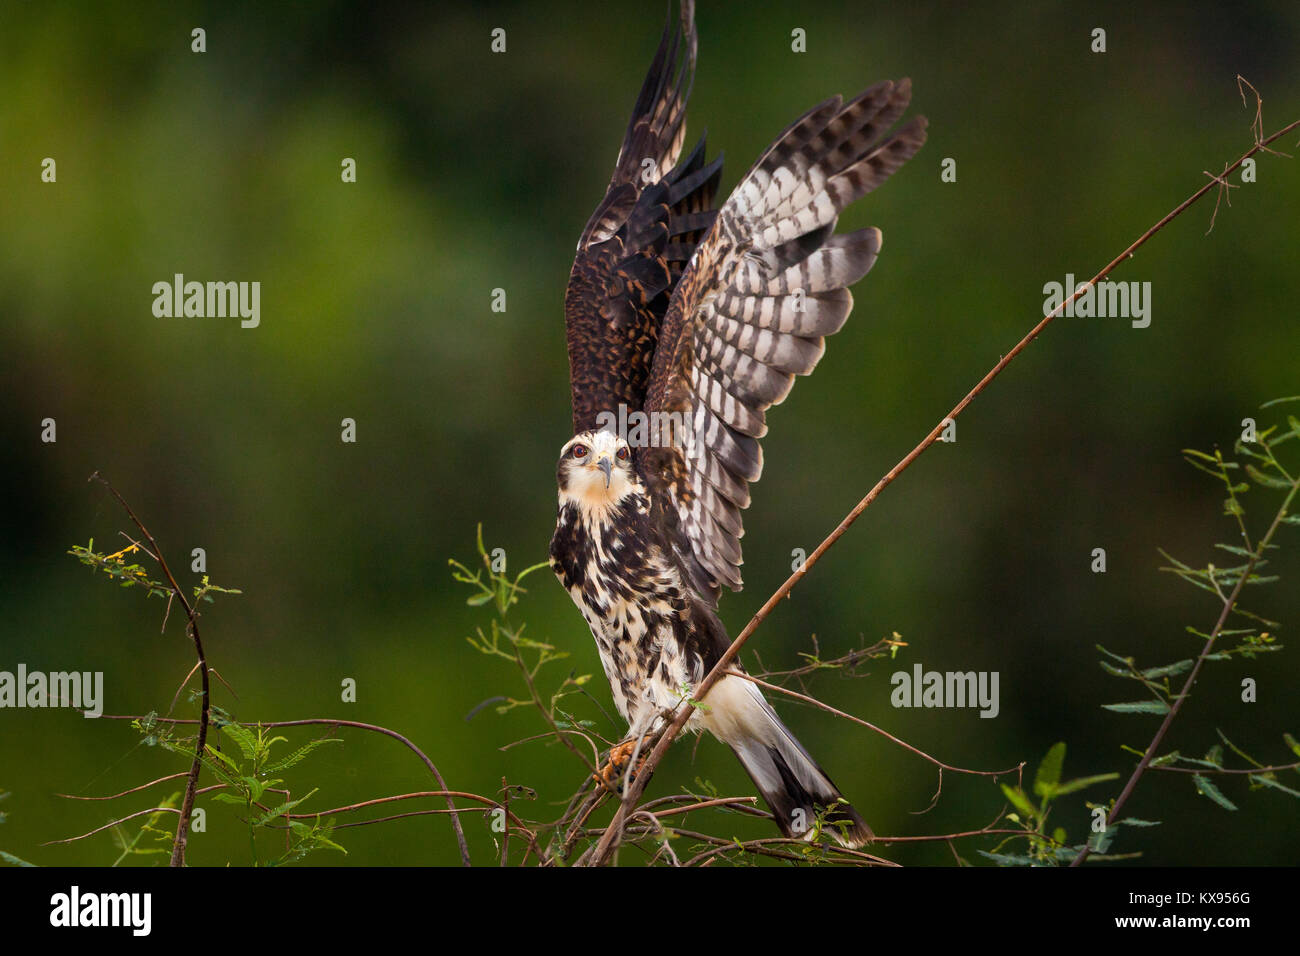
(684, 324)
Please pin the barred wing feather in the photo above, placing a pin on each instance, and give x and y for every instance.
(751, 311)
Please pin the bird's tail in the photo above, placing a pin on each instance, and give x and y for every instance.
(797, 790)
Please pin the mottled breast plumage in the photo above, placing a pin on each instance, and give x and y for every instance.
(632, 597)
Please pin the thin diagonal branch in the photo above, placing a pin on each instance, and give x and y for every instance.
(778, 689)
(192, 783)
(1228, 604)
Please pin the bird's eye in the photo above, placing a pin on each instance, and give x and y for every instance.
(623, 453)
(579, 451)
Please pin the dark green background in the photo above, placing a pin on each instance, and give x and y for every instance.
(477, 171)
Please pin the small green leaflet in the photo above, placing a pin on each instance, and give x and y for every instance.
(1208, 789)
(1139, 707)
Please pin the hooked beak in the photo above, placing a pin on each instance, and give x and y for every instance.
(606, 466)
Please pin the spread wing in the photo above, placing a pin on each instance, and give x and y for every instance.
(768, 282)
(636, 244)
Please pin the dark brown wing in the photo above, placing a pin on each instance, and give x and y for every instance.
(638, 241)
(768, 282)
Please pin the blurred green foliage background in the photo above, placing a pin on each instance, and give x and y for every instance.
(477, 171)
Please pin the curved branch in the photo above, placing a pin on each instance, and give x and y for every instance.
(870, 726)
(192, 782)
(337, 722)
(109, 826)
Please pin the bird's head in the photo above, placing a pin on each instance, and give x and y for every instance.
(595, 471)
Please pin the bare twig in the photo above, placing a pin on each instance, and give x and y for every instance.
(753, 846)
(123, 793)
(109, 826)
(505, 806)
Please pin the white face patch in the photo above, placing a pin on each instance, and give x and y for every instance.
(584, 461)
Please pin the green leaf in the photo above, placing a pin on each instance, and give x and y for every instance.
(1065, 854)
(328, 844)
(1196, 579)
(1135, 822)
(527, 571)
(300, 754)
(1112, 654)
(1254, 579)
(1019, 800)
(1215, 472)
(1169, 670)
(244, 737)
(1269, 781)
(1234, 549)
(1139, 707)
(216, 769)
(1008, 859)
(1207, 789)
(215, 755)
(1071, 786)
(1292, 743)
(14, 860)
(1268, 481)
(1200, 763)
(282, 809)
(1049, 771)
(1100, 842)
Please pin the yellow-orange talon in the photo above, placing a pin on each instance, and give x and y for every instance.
(611, 775)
